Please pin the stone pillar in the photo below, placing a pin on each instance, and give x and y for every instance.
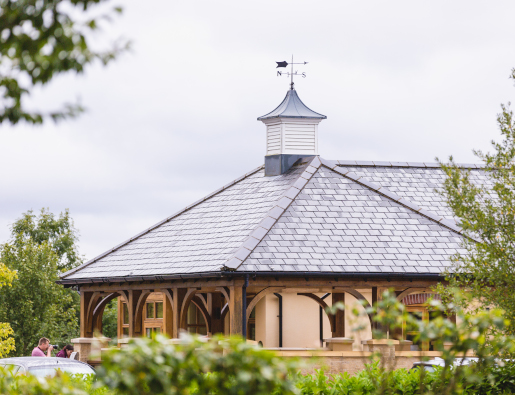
(339, 343)
(385, 348)
(89, 347)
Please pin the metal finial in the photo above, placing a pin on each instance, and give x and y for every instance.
(290, 73)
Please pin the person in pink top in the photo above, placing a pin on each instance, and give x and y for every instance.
(44, 346)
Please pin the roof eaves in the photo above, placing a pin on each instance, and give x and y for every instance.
(69, 272)
(271, 218)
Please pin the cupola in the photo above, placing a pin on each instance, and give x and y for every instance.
(291, 134)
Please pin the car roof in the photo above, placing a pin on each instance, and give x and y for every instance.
(39, 361)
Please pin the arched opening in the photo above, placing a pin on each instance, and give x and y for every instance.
(418, 307)
(195, 321)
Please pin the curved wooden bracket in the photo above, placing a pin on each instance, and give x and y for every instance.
(324, 306)
(260, 295)
(202, 299)
(207, 317)
(224, 311)
(364, 300)
(93, 302)
(138, 314)
(190, 294)
(225, 292)
(96, 322)
(169, 295)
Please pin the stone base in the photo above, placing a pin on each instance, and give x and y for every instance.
(404, 345)
(88, 348)
(440, 347)
(339, 343)
(384, 347)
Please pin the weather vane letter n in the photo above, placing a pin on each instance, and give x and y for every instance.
(290, 73)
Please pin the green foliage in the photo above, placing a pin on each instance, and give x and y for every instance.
(35, 306)
(110, 320)
(400, 381)
(219, 366)
(6, 340)
(40, 40)
(58, 232)
(487, 215)
(470, 332)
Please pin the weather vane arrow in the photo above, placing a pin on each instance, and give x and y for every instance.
(284, 64)
(290, 73)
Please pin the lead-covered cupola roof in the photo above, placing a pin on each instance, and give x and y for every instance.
(292, 107)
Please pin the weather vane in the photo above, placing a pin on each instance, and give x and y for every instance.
(290, 73)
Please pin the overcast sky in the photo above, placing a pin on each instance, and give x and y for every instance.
(176, 118)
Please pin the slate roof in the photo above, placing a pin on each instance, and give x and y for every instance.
(292, 107)
(321, 216)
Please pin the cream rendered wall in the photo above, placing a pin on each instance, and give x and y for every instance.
(301, 327)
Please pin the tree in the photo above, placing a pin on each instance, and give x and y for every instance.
(39, 250)
(40, 40)
(218, 366)
(487, 215)
(110, 320)
(6, 341)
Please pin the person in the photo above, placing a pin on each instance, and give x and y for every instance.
(43, 346)
(65, 352)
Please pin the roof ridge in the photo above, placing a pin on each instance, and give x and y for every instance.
(375, 163)
(273, 215)
(441, 220)
(74, 270)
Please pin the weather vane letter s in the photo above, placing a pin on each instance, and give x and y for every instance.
(290, 73)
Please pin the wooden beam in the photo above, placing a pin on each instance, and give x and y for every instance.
(85, 299)
(168, 312)
(214, 306)
(236, 310)
(178, 299)
(339, 317)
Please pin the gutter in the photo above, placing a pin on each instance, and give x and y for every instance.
(230, 274)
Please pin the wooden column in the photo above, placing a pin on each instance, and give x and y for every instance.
(339, 317)
(135, 317)
(85, 299)
(376, 326)
(178, 299)
(236, 310)
(214, 307)
(167, 315)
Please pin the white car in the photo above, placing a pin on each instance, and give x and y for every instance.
(429, 366)
(44, 367)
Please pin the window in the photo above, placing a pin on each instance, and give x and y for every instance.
(196, 323)
(125, 320)
(150, 310)
(251, 332)
(159, 309)
(151, 332)
(125, 314)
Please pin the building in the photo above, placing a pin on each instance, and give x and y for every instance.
(263, 255)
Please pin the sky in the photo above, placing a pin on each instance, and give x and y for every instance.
(175, 118)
